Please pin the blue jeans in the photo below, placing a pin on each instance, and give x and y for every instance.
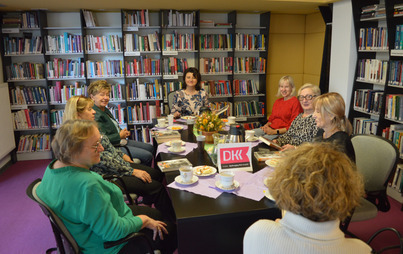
(142, 151)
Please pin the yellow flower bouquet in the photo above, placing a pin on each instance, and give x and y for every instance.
(208, 122)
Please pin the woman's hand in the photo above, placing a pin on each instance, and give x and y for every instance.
(124, 133)
(177, 114)
(288, 147)
(158, 227)
(269, 131)
(126, 157)
(143, 175)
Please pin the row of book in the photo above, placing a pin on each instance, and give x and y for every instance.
(373, 11)
(173, 65)
(136, 42)
(30, 119)
(141, 134)
(65, 68)
(217, 87)
(394, 107)
(63, 43)
(56, 117)
(138, 18)
(372, 70)
(217, 105)
(215, 41)
(399, 37)
(22, 45)
(368, 100)
(216, 65)
(29, 20)
(23, 95)
(398, 9)
(33, 143)
(104, 69)
(11, 20)
(89, 19)
(143, 112)
(395, 73)
(363, 125)
(245, 87)
(250, 41)
(171, 86)
(146, 91)
(143, 66)
(395, 134)
(102, 44)
(177, 18)
(118, 112)
(25, 71)
(373, 38)
(249, 108)
(178, 42)
(249, 65)
(60, 93)
(397, 181)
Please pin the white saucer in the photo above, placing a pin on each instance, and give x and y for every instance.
(169, 143)
(180, 151)
(268, 195)
(160, 127)
(233, 187)
(252, 139)
(179, 180)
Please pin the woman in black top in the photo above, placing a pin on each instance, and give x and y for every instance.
(332, 122)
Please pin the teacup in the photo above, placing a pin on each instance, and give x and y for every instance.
(176, 145)
(249, 134)
(162, 122)
(226, 179)
(186, 173)
(231, 119)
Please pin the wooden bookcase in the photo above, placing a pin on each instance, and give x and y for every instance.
(137, 52)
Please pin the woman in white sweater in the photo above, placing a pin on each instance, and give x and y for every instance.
(317, 186)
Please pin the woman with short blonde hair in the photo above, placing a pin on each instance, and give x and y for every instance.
(317, 186)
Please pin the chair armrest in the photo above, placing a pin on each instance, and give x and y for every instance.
(140, 236)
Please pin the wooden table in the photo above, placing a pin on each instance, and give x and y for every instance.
(207, 225)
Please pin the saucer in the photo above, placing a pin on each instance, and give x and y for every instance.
(272, 162)
(179, 180)
(233, 187)
(268, 195)
(169, 143)
(159, 127)
(180, 151)
(252, 139)
(175, 127)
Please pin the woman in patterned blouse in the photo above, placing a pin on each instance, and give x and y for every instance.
(191, 98)
(303, 128)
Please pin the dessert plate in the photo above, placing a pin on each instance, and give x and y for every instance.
(204, 170)
(272, 162)
(169, 143)
(175, 127)
(179, 151)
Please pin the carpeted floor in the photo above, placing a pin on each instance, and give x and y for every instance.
(24, 228)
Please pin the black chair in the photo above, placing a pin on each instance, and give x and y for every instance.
(64, 240)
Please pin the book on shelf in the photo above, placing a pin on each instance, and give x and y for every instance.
(270, 143)
(173, 165)
(164, 136)
(397, 181)
(89, 19)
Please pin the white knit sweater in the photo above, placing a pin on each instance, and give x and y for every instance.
(297, 234)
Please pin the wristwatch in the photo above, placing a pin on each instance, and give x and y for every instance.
(278, 132)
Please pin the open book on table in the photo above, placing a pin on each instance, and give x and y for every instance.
(172, 165)
(270, 143)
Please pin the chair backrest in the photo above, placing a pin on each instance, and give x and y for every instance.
(65, 241)
(376, 157)
(170, 99)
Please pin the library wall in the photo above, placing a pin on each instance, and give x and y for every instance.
(295, 49)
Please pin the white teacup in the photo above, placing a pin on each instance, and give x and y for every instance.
(231, 119)
(186, 173)
(249, 134)
(226, 179)
(162, 122)
(176, 145)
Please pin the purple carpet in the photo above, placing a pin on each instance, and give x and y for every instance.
(24, 228)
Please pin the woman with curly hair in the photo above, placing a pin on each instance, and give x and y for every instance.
(318, 186)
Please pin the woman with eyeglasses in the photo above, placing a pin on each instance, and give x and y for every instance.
(303, 128)
(139, 179)
(92, 209)
(284, 110)
(334, 127)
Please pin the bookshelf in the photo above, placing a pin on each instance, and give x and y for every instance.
(377, 91)
(141, 53)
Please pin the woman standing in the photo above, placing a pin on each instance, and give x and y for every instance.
(191, 98)
(99, 91)
(332, 122)
(303, 128)
(284, 110)
(139, 179)
(91, 208)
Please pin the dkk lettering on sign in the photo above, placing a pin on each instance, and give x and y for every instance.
(234, 155)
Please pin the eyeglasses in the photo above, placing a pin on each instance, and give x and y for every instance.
(307, 97)
(96, 146)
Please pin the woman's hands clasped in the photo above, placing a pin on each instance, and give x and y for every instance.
(158, 227)
(143, 175)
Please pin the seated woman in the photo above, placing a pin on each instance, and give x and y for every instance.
(92, 209)
(191, 98)
(317, 186)
(332, 122)
(284, 110)
(99, 91)
(140, 179)
(303, 128)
